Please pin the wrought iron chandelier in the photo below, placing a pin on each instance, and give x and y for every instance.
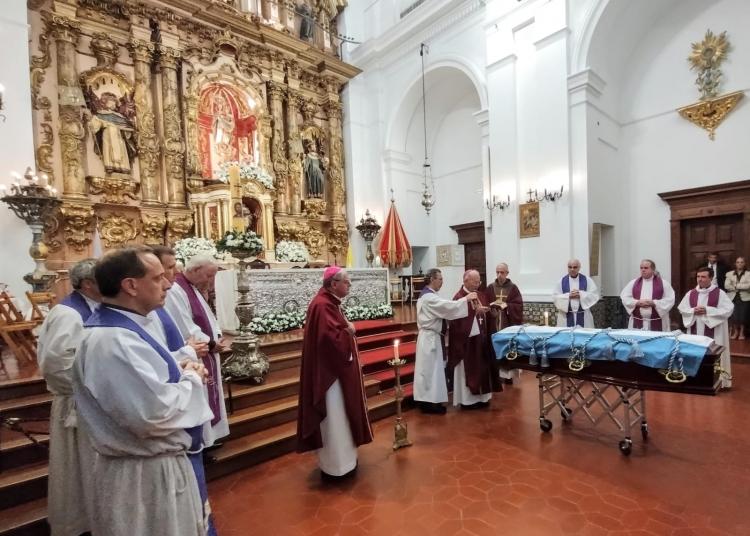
(428, 194)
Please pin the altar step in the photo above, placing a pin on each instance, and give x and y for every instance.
(263, 425)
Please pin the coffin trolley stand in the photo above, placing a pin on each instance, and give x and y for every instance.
(607, 382)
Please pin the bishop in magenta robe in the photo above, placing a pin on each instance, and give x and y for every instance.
(332, 415)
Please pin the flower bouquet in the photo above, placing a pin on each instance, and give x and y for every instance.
(249, 171)
(187, 248)
(240, 244)
(291, 251)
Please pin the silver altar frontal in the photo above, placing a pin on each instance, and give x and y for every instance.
(275, 291)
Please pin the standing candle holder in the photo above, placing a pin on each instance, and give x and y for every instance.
(246, 361)
(368, 227)
(34, 201)
(400, 429)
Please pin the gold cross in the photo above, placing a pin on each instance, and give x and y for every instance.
(500, 298)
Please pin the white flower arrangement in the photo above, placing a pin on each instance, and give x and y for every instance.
(246, 241)
(187, 248)
(279, 322)
(291, 251)
(249, 171)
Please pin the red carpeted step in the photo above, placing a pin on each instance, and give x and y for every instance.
(389, 374)
(370, 357)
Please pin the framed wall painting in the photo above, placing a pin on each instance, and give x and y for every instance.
(528, 220)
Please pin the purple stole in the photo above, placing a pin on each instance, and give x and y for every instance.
(107, 317)
(78, 303)
(574, 319)
(713, 301)
(172, 332)
(201, 320)
(657, 293)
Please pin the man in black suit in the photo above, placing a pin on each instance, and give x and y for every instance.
(719, 267)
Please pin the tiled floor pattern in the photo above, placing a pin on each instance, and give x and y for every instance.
(494, 472)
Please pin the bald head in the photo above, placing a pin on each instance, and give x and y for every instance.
(502, 271)
(574, 267)
(472, 280)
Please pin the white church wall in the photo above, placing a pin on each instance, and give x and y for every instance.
(655, 149)
(16, 138)
(527, 87)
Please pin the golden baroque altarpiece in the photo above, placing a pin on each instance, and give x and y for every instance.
(163, 119)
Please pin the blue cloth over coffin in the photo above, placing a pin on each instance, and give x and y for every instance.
(652, 349)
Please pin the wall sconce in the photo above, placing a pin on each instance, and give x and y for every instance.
(547, 196)
(2, 91)
(495, 203)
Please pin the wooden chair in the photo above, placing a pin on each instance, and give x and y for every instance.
(16, 331)
(397, 290)
(417, 284)
(258, 264)
(41, 303)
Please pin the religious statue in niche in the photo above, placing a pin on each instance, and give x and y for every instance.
(111, 124)
(306, 26)
(314, 167)
(247, 216)
(227, 128)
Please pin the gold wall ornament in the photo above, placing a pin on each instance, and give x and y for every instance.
(39, 66)
(291, 230)
(709, 114)
(105, 49)
(51, 228)
(178, 226)
(173, 145)
(115, 189)
(706, 58)
(116, 230)
(146, 141)
(72, 133)
(315, 241)
(338, 239)
(152, 228)
(78, 222)
(314, 208)
(44, 150)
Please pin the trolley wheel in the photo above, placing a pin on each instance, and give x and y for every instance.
(644, 431)
(545, 424)
(626, 445)
(566, 414)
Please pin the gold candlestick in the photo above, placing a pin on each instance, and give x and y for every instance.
(400, 430)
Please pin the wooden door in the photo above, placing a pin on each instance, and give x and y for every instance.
(474, 259)
(722, 234)
(471, 236)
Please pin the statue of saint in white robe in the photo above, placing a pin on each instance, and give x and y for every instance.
(142, 480)
(178, 306)
(587, 300)
(716, 318)
(71, 455)
(663, 306)
(429, 371)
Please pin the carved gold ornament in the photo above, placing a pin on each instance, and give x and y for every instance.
(314, 208)
(116, 229)
(114, 189)
(152, 228)
(179, 227)
(77, 223)
(706, 58)
(709, 114)
(315, 240)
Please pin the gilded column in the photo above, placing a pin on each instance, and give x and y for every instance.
(173, 145)
(294, 152)
(72, 133)
(336, 191)
(280, 166)
(142, 53)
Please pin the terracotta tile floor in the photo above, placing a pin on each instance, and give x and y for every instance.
(494, 472)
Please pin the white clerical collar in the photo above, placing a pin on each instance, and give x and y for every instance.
(703, 290)
(466, 290)
(138, 318)
(93, 304)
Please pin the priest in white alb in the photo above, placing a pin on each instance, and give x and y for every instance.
(574, 296)
(648, 299)
(705, 311)
(430, 387)
(195, 319)
(141, 409)
(71, 455)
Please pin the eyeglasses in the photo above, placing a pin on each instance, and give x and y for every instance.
(571, 267)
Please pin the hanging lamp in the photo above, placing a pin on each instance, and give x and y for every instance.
(428, 192)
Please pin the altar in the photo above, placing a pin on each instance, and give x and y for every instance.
(276, 291)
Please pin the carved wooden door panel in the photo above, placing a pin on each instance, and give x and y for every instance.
(723, 234)
(474, 259)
